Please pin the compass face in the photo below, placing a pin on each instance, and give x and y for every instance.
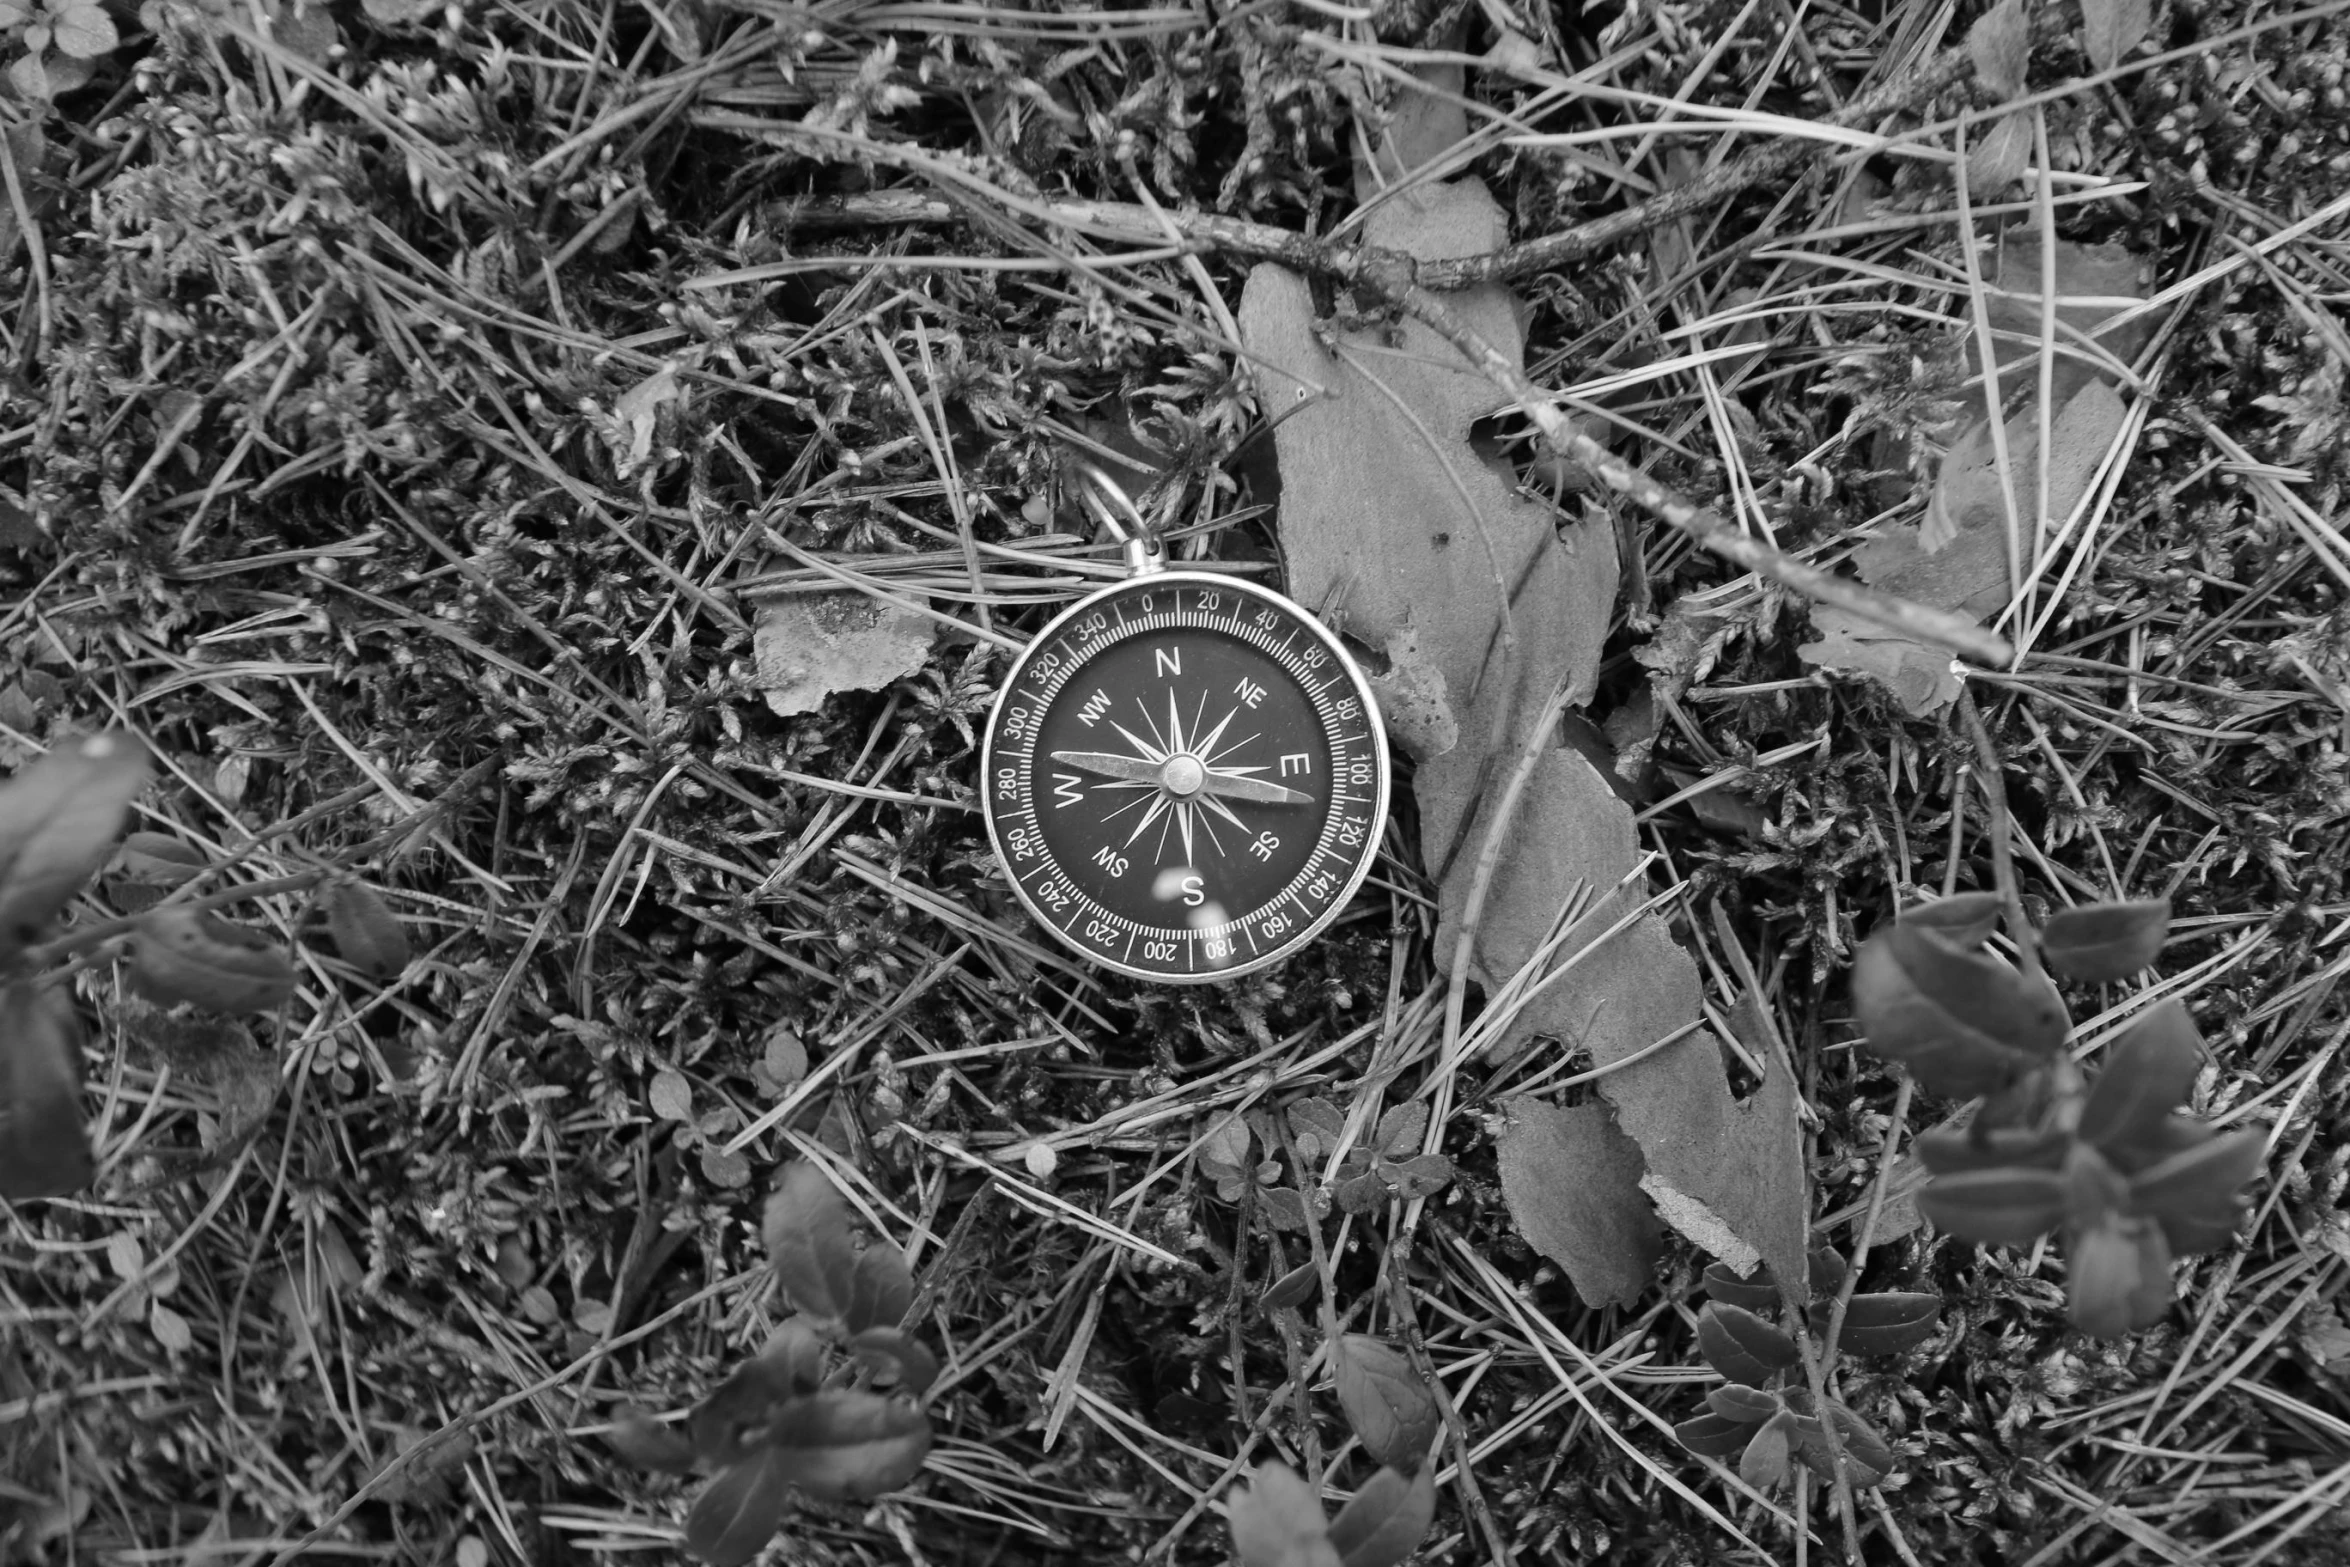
(1185, 777)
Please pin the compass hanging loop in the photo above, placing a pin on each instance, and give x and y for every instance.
(1115, 510)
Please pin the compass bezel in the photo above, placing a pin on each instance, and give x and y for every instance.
(1354, 684)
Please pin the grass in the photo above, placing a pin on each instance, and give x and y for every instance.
(336, 463)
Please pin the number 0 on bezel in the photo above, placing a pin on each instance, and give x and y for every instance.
(1185, 777)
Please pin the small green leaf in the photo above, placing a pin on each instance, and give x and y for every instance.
(846, 1446)
(1401, 1129)
(2148, 1073)
(1867, 1457)
(1963, 1023)
(1746, 1405)
(2000, 44)
(1887, 1324)
(646, 1442)
(43, 1149)
(2000, 155)
(881, 1287)
(1966, 919)
(739, 1512)
(1385, 1400)
(1223, 1158)
(2197, 1195)
(2119, 1278)
(58, 818)
(1956, 1150)
(1277, 1522)
(1385, 1521)
(734, 1420)
(2104, 942)
(1764, 1463)
(806, 1227)
(83, 32)
(1316, 1125)
(1293, 1288)
(794, 1357)
(157, 859)
(1422, 1175)
(183, 953)
(1742, 1346)
(2004, 1207)
(670, 1095)
(892, 1353)
(2110, 29)
(368, 935)
(1826, 1270)
(1755, 1292)
(1712, 1436)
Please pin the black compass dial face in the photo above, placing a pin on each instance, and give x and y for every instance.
(1186, 777)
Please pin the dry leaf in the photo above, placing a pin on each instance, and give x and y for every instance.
(810, 645)
(637, 417)
(1572, 1180)
(1968, 573)
(1412, 699)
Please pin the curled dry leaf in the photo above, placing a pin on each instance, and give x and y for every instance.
(58, 818)
(810, 645)
(2105, 942)
(1385, 1400)
(181, 953)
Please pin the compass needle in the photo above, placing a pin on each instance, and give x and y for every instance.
(1183, 774)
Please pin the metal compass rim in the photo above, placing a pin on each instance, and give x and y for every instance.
(1356, 682)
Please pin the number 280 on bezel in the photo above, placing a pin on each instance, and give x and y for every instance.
(1185, 777)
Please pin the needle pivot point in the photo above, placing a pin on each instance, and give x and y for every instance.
(1181, 776)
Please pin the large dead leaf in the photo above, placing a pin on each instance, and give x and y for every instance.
(809, 645)
(1727, 1174)
(1572, 1180)
(1393, 526)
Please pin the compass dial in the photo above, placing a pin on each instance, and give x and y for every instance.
(1186, 777)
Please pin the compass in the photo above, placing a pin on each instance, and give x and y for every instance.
(1185, 774)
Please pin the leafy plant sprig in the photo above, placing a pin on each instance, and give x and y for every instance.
(1278, 1520)
(1763, 1414)
(784, 1419)
(2109, 1162)
(59, 819)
